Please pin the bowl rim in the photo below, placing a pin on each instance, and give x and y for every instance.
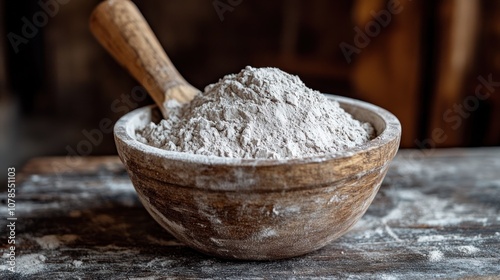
(391, 132)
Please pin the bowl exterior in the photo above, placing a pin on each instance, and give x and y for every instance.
(259, 225)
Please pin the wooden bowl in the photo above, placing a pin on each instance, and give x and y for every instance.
(258, 209)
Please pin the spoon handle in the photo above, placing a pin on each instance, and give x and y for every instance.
(120, 27)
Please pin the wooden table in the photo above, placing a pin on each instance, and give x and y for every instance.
(435, 216)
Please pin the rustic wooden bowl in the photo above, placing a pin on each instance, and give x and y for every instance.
(258, 209)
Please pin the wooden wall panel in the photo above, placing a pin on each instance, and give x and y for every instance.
(457, 32)
(387, 72)
(489, 63)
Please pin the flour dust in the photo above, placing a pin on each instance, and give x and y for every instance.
(261, 113)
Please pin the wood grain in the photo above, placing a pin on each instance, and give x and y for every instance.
(71, 165)
(120, 27)
(104, 231)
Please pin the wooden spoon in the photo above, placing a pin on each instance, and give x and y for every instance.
(120, 27)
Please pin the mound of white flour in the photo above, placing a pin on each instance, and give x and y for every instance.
(258, 113)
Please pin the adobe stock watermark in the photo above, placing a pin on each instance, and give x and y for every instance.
(11, 219)
(94, 137)
(222, 7)
(454, 117)
(372, 29)
(30, 28)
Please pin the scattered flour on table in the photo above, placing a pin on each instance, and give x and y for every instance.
(468, 249)
(435, 256)
(258, 113)
(31, 263)
(77, 264)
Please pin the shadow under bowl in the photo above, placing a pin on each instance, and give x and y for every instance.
(258, 209)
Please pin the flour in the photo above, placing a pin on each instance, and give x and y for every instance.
(435, 256)
(77, 264)
(260, 113)
(31, 263)
(468, 249)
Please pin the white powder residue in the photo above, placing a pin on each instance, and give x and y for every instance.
(77, 264)
(31, 263)
(435, 256)
(417, 207)
(258, 113)
(267, 232)
(468, 249)
(431, 238)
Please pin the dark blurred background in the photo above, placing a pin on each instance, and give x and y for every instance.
(432, 63)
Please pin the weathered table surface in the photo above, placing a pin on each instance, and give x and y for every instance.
(436, 216)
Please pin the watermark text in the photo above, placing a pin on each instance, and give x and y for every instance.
(11, 219)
